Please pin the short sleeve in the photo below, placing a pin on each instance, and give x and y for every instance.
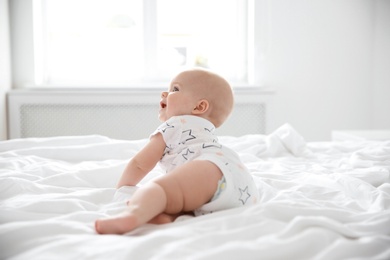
(171, 132)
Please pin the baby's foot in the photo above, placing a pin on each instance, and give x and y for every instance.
(119, 224)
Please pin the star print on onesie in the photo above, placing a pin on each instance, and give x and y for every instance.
(244, 195)
(190, 138)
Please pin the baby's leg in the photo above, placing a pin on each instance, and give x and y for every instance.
(164, 218)
(185, 189)
(190, 186)
(146, 203)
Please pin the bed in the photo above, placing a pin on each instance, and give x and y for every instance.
(319, 200)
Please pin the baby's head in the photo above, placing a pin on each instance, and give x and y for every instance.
(198, 92)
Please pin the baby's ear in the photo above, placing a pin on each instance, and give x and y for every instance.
(202, 106)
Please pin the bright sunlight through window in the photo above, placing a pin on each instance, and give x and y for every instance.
(136, 42)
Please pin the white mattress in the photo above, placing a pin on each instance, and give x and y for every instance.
(327, 200)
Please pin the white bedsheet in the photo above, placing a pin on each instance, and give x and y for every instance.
(318, 201)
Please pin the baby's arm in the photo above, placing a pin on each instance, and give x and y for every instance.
(143, 162)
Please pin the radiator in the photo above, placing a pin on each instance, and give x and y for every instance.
(119, 114)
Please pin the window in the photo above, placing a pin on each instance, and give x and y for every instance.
(139, 42)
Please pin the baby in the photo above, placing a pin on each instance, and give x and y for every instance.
(202, 176)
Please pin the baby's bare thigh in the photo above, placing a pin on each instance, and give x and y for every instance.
(190, 186)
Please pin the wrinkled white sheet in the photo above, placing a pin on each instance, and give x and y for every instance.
(318, 201)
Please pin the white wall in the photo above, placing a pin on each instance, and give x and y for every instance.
(5, 70)
(320, 60)
(381, 65)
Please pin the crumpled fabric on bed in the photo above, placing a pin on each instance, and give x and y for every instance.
(319, 200)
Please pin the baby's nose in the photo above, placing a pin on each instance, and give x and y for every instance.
(164, 94)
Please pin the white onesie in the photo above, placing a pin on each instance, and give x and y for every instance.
(190, 138)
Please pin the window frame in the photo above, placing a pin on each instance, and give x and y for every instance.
(26, 70)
